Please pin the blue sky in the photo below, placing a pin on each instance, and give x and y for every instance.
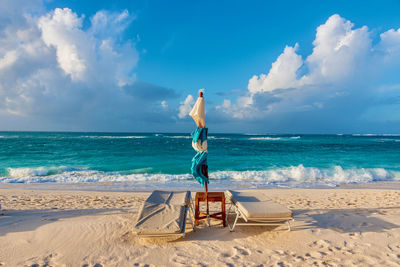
(219, 45)
(168, 50)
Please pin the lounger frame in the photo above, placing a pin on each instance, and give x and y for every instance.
(254, 221)
(188, 207)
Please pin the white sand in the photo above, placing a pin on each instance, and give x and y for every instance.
(333, 227)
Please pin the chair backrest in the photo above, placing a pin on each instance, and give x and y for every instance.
(169, 197)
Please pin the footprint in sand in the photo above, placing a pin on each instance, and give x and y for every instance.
(49, 260)
(299, 259)
(280, 252)
(225, 255)
(320, 244)
(394, 247)
(242, 251)
(314, 255)
(182, 259)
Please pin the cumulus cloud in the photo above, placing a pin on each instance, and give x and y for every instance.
(62, 30)
(56, 73)
(281, 75)
(335, 87)
(84, 54)
(390, 43)
(186, 106)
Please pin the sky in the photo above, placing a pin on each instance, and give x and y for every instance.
(137, 66)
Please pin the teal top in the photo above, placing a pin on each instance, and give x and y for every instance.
(200, 159)
(199, 133)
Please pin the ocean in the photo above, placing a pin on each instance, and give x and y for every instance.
(140, 160)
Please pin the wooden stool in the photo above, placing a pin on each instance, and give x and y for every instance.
(212, 197)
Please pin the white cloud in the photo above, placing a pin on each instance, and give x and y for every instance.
(9, 58)
(62, 30)
(338, 51)
(390, 41)
(339, 78)
(186, 106)
(84, 54)
(164, 104)
(57, 74)
(108, 24)
(282, 74)
(225, 105)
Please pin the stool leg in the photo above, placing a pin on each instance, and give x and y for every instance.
(223, 212)
(196, 212)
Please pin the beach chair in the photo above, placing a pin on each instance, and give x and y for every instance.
(255, 208)
(164, 214)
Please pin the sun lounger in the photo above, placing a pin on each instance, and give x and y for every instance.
(164, 214)
(255, 208)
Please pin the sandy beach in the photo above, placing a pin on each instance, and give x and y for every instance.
(333, 227)
(104, 102)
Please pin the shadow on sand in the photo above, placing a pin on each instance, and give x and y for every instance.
(339, 220)
(12, 221)
(217, 232)
(346, 220)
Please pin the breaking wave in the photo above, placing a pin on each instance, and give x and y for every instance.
(297, 176)
(113, 137)
(265, 138)
(268, 138)
(218, 138)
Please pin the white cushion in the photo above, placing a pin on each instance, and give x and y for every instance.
(256, 205)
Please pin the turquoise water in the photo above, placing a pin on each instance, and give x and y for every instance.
(149, 159)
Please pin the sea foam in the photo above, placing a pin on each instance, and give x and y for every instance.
(113, 137)
(268, 138)
(297, 176)
(265, 138)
